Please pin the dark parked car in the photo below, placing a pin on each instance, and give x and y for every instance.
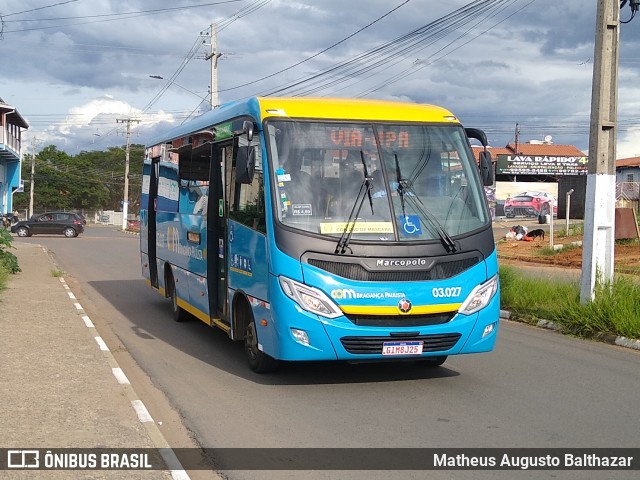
(65, 223)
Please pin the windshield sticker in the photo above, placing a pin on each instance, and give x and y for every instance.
(301, 209)
(360, 227)
(411, 224)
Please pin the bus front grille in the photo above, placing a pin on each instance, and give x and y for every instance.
(400, 320)
(354, 271)
(373, 345)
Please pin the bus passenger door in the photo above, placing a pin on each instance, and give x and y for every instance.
(151, 221)
(216, 230)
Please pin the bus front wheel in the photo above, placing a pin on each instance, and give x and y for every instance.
(259, 361)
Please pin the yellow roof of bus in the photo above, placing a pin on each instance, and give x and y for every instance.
(352, 109)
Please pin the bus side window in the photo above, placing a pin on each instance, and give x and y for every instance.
(247, 205)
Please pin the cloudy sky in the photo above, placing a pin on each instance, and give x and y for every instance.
(74, 67)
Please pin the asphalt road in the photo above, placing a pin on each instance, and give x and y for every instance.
(536, 389)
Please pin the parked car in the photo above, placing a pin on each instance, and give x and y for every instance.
(66, 223)
(133, 225)
(530, 204)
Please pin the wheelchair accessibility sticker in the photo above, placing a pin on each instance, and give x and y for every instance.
(410, 225)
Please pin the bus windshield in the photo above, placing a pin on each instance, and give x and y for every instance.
(420, 180)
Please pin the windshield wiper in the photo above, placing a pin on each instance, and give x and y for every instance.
(405, 189)
(365, 190)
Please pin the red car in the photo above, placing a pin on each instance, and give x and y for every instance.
(133, 225)
(530, 204)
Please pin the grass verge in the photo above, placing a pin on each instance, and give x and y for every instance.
(615, 310)
(4, 278)
(8, 261)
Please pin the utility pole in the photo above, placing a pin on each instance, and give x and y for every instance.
(214, 56)
(125, 202)
(598, 243)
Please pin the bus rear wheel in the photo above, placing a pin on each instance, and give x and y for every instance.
(177, 313)
(259, 361)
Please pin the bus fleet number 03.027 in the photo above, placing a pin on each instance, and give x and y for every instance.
(440, 292)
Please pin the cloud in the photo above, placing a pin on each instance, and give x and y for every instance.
(84, 126)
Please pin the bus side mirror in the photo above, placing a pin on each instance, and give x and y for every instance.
(486, 168)
(247, 128)
(477, 134)
(245, 164)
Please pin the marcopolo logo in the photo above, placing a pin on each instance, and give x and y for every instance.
(401, 262)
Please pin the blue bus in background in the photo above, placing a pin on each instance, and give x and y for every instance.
(325, 229)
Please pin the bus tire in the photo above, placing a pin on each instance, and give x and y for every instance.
(177, 313)
(432, 361)
(259, 361)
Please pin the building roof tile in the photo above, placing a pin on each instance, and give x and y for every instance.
(628, 162)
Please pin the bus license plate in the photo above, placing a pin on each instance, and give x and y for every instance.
(401, 348)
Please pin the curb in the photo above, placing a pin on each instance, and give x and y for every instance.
(174, 466)
(602, 337)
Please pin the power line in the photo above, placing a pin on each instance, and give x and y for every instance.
(379, 56)
(40, 8)
(423, 64)
(193, 50)
(123, 15)
(320, 52)
(118, 14)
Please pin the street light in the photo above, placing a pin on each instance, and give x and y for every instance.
(159, 77)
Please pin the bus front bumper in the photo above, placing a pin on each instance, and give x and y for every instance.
(310, 337)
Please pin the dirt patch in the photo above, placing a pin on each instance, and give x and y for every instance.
(626, 254)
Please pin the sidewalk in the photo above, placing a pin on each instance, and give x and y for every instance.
(60, 387)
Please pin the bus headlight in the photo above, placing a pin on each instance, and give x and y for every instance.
(309, 298)
(480, 296)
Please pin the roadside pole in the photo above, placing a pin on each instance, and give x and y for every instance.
(125, 201)
(552, 204)
(597, 255)
(568, 211)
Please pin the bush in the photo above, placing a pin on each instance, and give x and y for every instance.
(3, 278)
(8, 260)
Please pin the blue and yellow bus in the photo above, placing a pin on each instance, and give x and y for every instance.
(325, 229)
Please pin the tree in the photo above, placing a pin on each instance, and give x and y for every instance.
(87, 181)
